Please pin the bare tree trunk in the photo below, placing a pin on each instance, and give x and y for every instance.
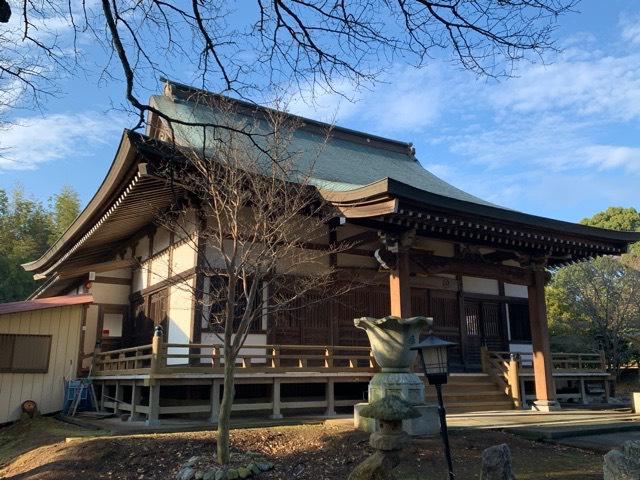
(224, 417)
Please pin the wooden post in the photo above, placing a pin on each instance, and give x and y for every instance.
(583, 392)
(542, 361)
(117, 398)
(153, 417)
(514, 380)
(330, 396)
(399, 286)
(484, 359)
(215, 402)
(275, 357)
(156, 351)
(275, 398)
(328, 357)
(135, 402)
(103, 395)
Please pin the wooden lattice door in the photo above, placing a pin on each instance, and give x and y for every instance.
(492, 332)
(443, 307)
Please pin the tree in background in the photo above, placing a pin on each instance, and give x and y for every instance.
(27, 229)
(64, 208)
(596, 304)
(618, 218)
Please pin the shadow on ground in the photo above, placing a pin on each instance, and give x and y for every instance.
(299, 452)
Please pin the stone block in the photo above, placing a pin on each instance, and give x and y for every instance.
(496, 463)
(623, 464)
(636, 402)
(427, 424)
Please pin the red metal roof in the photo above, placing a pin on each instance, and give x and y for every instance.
(41, 303)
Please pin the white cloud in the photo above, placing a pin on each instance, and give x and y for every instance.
(630, 25)
(604, 86)
(406, 100)
(30, 141)
(608, 157)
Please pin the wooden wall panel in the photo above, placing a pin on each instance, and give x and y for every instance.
(46, 389)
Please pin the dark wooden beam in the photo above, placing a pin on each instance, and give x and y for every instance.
(433, 264)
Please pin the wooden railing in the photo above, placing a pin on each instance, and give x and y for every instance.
(503, 368)
(579, 361)
(166, 358)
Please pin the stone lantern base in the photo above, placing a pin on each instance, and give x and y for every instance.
(409, 387)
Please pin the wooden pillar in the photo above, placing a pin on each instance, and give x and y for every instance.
(117, 398)
(331, 399)
(275, 398)
(399, 286)
(135, 402)
(542, 362)
(215, 402)
(153, 417)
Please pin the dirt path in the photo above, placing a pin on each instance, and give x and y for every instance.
(303, 452)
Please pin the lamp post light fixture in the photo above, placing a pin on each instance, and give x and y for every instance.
(435, 363)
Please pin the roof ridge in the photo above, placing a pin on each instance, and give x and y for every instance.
(186, 92)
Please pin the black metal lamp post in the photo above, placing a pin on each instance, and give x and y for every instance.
(435, 363)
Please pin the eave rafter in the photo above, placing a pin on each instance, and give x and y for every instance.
(482, 231)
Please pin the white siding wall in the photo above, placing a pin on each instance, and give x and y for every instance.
(46, 389)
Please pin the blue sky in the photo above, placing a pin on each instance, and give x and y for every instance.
(560, 140)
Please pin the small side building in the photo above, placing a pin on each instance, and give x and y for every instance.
(39, 349)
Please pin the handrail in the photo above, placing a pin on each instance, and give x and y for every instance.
(161, 357)
(503, 368)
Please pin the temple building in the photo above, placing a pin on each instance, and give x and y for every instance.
(477, 268)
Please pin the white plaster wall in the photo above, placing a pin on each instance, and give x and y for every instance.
(120, 273)
(520, 291)
(137, 282)
(486, 286)
(159, 266)
(142, 248)
(180, 319)
(184, 256)
(252, 339)
(112, 322)
(110, 293)
(161, 240)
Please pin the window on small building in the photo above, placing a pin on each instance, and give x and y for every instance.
(24, 353)
(519, 322)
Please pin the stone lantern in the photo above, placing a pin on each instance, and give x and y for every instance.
(389, 412)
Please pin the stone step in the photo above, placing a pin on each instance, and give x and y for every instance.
(469, 407)
(479, 396)
(463, 389)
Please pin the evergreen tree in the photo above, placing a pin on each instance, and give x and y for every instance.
(27, 229)
(64, 207)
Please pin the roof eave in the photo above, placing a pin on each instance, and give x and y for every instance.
(118, 172)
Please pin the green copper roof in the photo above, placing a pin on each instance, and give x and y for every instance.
(347, 160)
